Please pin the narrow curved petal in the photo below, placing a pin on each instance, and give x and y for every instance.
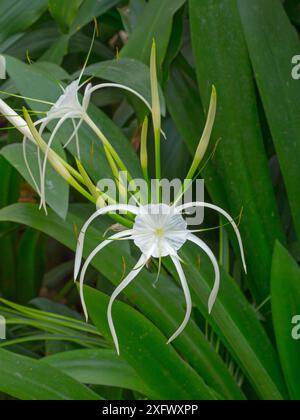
(128, 279)
(99, 212)
(117, 236)
(128, 89)
(226, 215)
(208, 251)
(24, 143)
(187, 295)
(75, 134)
(43, 175)
(120, 86)
(86, 97)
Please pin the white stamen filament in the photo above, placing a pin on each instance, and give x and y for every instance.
(128, 279)
(209, 253)
(187, 295)
(99, 212)
(118, 236)
(226, 215)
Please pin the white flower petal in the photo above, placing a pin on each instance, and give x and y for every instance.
(187, 298)
(161, 226)
(117, 236)
(43, 174)
(128, 89)
(208, 251)
(226, 215)
(68, 102)
(99, 212)
(128, 279)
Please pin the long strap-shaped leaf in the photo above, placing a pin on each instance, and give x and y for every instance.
(98, 367)
(285, 293)
(28, 379)
(273, 42)
(143, 346)
(240, 164)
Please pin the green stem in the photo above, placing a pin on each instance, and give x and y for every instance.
(157, 166)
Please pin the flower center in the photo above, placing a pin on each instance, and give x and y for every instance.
(159, 230)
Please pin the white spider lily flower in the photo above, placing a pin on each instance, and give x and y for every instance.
(2, 67)
(69, 107)
(159, 230)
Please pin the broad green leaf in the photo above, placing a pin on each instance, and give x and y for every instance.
(176, 41)
(131, 14)
(162, 305)
(48, 305)
(49, 321)
(30, 265)
(58, 49)
(184, 103)
(51, 68)
(293, 10)
(28, 379)
(90, 9)
(80, 43)
(272, 43)
(64, 12)
(285, 293)
(175, 155)
(33, 42)
(98, 367)
(236, 323)
(56, 189)
(155, 22)
(143, 346)
(16, 15)
(9, 193)
(33, 82)
(240, 164)
(10, 184)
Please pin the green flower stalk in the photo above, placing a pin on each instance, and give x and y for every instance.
(156, 117)
(143, 151)
(204, 141)
(2, 67)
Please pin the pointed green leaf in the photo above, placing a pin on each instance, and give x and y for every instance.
(143, 346)
(98, 367)
(28, 379)
(285, 289)
(272, 43)
(154, 23)
(221, 59)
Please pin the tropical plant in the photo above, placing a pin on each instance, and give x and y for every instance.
(247, 346)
